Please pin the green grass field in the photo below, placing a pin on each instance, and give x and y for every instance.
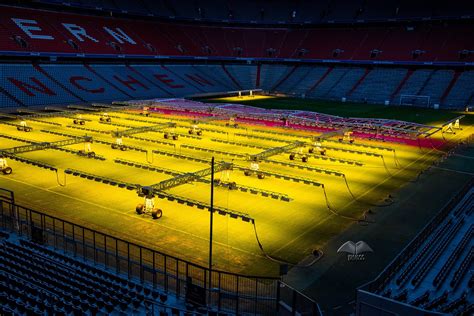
(404, 113)
(287, 230)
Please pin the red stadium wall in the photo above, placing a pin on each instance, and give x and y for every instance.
(42, 84)
(46, 31)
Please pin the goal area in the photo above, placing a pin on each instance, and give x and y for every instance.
(415, 100)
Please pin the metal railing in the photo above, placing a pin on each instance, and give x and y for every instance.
(228, 292)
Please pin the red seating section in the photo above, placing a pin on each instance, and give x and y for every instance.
(48, 31)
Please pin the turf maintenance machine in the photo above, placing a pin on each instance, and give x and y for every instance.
(195, 129)
(79, 120)
(71, 112)
(256, 158)
(82, 109)
(87, 151)
(118, 135)
(170, 133)
(145, 111)
(148, 207)
(254, 170)
(346, 137)
(119, 144)
(23, 126)
(299, 154)
(224, 180)
(105, 118)
(317, 148)
(4, 168)
(231, 122)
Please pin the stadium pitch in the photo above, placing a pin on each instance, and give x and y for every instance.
(293, 214)
(349, 109)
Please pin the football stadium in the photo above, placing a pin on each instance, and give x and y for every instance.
(236, 157)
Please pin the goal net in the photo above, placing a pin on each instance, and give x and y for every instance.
(415, 100)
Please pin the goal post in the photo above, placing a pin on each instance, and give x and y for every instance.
(415, 100)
